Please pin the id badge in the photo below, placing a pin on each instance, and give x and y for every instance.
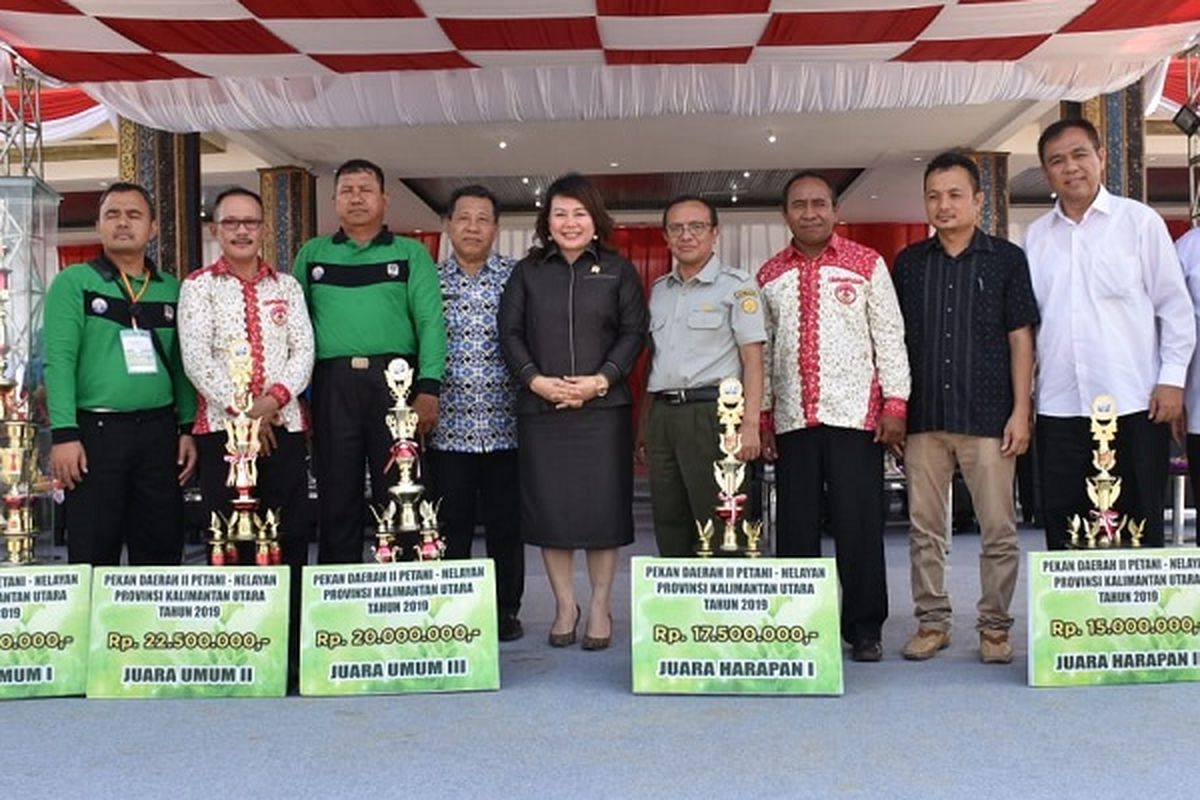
(140, 358)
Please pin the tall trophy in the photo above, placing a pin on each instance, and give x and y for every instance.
(1104, 527)
(406, 523)
(244, 525)
(18, 450)
(729, 473)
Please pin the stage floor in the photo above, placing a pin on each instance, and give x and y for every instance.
(565, 724)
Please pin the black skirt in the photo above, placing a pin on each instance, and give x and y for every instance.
(577, 477)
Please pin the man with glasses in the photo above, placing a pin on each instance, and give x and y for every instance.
(473, 449)
(706, 325)
(242, 298)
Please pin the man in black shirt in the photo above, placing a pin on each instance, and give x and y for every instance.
(969, 314)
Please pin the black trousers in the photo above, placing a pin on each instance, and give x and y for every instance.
(130, 496)
(1065, 462)
(464, 482)
(349, 407)
(1193, 460)
(846, 465)
(283, 487)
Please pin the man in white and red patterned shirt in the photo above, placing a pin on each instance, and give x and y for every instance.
(243, 298)
(836, 392)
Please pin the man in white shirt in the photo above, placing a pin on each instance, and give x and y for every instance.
(1188, 248)
(1116, 320)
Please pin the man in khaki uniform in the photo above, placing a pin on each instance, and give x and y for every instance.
(706, 325)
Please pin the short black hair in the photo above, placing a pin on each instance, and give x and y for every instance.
(360, 165)
(691, 198)
(951, 159)
(235, 191)
(801, 175)
(123, 187)
(473, 190)
(1057, 129)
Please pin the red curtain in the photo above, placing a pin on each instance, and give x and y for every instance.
(1178, 227)
(431, 239)
(69, 254)
(886, 238)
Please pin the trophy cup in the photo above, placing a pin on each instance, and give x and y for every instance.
(1104, 527)
(396, 525)
(243, 525)
(729, 474)
(18, 451)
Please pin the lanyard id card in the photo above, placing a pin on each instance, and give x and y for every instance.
(138, 347)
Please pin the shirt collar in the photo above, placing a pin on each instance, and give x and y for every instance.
(707, 274)
(493, 263)
(979, 241)
(223, 267)
(831, 247)
(383, 237)
(1102, 204)
(109, 271)
(552, 250)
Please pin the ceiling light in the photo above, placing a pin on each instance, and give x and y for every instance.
(503, 145)
(874, 197)
(537, 203)
(733, 199)
(1054, 195)
(416, 230)
(524, 180)
(746, 174)
(771, 138)
(916, 158)
(537, 190)
(614, 164)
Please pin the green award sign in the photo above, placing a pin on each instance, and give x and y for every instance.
(189, 632)
(1114, 616)
(44, 630)
(736, 626)
(413, 626)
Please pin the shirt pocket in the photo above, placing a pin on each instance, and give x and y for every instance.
(1114, 274)
(705, 320)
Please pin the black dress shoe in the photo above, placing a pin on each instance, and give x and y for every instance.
(867, 650)
(510, 628)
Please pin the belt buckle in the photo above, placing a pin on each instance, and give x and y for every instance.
(360, 362)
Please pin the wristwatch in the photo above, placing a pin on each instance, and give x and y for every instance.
(603, 387)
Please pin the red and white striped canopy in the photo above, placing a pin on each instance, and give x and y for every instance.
(198, 64)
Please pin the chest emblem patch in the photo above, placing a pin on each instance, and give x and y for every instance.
(99, 305)
(845, 293)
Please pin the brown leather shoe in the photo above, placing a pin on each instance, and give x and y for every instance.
(994, 647)
(925, 644)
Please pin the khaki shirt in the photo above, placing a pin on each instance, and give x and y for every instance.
(697, 326)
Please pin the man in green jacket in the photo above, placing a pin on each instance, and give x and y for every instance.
(372, 296)
(120, 404)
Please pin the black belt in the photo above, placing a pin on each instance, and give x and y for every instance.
(677, 397)
(138, 417)
(363, 362)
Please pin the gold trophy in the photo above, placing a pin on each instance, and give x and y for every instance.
(18, 451)
(1105, 526)
(396, 522)
(729, 474)
(243, 525)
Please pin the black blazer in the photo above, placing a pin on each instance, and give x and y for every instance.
(573, 319)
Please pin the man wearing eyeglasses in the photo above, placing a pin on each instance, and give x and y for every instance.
(706, 325)
(242, 298)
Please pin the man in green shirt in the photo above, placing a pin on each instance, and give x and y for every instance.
(372, 296)
(120, 404)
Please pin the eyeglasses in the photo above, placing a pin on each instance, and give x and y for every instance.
(230, 225)
(676, 229)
